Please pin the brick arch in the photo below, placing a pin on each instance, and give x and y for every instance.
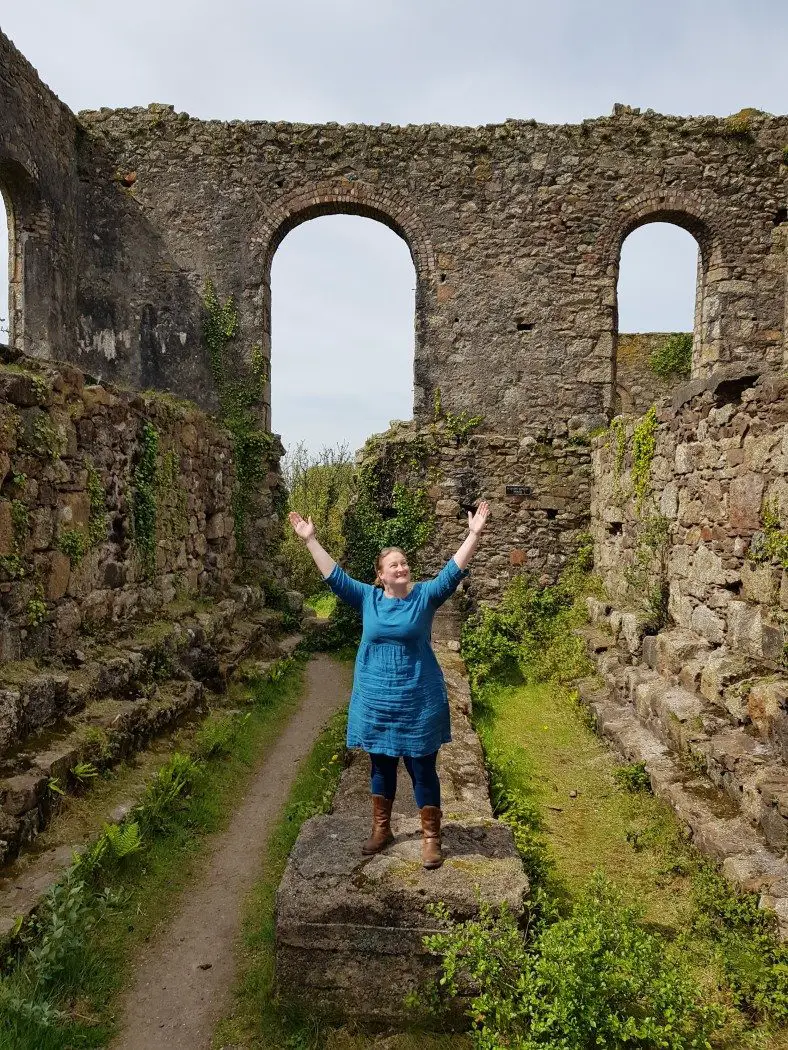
(347, 197)
(691, 211)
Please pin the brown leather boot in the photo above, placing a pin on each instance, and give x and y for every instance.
(381, 825)
(431, 856)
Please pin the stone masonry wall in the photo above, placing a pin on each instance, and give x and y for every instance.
(637, 385)
(515, 232)
(720, 465)
(72, 472)
(38, 163)
(534, 527)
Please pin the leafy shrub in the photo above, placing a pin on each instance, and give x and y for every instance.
(673, 358)
(319, 486)
(531, 629)
(74, 544)
(167, 791)
(597, 978)
(754, 961)
(633, 777)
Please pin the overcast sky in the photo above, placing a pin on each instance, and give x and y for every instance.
(343, 287)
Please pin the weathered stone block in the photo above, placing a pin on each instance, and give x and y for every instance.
(744, 505)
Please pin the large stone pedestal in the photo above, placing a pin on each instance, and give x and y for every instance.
(350, 928)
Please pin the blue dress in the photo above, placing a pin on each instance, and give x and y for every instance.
(399, 704)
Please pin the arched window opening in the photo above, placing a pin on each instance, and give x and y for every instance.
(342, 332)
(658, 307)
(5, 253)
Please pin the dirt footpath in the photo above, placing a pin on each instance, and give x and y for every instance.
(184, 977)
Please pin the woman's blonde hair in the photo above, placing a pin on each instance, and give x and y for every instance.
(382, 555)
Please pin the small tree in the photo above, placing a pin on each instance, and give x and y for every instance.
(319, 487)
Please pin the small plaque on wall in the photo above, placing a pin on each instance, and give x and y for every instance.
(518, 490)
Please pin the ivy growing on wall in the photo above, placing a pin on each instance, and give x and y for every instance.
(644, 445)
(771, 543)
(673, 357)
(144, 497)
(239, 400)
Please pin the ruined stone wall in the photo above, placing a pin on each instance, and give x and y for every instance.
(719, 484)
(539, 491)
(637, 384)
(111, 505)
(38, 162)
(515, 232)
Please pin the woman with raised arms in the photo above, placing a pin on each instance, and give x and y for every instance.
(398, 707)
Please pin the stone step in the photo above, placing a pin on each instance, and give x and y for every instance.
(138, 705)
(736, 757)
(27, 800)
(717, 825)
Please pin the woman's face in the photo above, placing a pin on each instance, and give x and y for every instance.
(394, 570)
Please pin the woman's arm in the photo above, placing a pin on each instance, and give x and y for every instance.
(476, 523)
(306, 531)
(342, 585)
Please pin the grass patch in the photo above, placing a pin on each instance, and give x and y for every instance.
(53, 998)
(324, 604)
(603, 856)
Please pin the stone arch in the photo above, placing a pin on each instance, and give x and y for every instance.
(342, 197)
(22, 208)
(697, 215)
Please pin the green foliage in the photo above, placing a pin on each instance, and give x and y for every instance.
(216, 736)
(97, 523)
(36, 608)
(597, 978)
(673, 357)
(647, 576)
(739, 125)
(320, 487)
(84, 772)
(74, 544)
(644, 445)
(459, 424)
(530, 631)
(771, 543)
(633, 777)
(239, 401)
(166, 793)
(754, 961)
(144, 497)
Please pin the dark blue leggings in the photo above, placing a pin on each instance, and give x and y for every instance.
(426, 786)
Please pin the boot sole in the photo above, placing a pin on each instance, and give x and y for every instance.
(372, 852)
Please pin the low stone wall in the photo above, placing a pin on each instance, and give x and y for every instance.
(111, 504)
(538, 488)
(637, 384)
(349, 928)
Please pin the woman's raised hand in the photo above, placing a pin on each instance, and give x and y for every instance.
(477, 521)
(303, 528)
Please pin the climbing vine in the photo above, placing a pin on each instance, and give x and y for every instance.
(239, 399)
(644, 445)
(144, 497)
(618, 440)
(771, 543)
